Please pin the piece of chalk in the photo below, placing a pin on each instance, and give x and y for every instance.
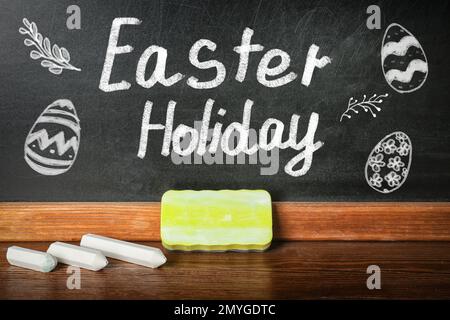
(31, 259)
(221, 220)
(125, 251)
(78, 256)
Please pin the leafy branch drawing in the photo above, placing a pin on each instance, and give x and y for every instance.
(367, 105)
(55, 58)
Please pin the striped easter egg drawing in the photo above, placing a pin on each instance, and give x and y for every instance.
(52, 144)
(404, 63)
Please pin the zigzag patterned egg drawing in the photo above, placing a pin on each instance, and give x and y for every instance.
(404, 63)
(52, 144)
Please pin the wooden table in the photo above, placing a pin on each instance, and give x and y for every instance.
(289, 270)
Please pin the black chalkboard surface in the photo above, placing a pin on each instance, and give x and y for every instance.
(397, 57)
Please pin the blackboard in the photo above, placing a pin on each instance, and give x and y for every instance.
(107, 166)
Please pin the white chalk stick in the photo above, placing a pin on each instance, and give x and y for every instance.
(126, 251)
(31, 259)
(78, 256)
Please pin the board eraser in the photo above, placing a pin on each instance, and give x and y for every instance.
(222, 220)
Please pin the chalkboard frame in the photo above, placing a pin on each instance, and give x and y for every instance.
(140, 221)
(347, 143)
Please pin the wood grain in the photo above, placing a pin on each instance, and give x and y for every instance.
(23, 221)
(289, 270)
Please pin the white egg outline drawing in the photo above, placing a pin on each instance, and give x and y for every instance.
(77, 130)
(382, 60)
(386, 191)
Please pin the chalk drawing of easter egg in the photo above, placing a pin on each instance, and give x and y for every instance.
(404, 63)
(52, 144)
(389, 162)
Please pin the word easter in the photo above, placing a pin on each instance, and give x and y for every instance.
(270, 77)
(244, 50)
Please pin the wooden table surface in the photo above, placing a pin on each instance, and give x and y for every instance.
(288, 270)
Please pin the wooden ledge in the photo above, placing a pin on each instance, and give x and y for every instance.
(288, 270)
(139, 221)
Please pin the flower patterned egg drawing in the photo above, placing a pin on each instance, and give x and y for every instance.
(404, 63)
(389, 162)
(52, 144)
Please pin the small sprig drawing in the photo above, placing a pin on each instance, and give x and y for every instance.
(55, 58)
(367, 105)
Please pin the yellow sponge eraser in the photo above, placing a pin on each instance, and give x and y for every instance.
(216, 220)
